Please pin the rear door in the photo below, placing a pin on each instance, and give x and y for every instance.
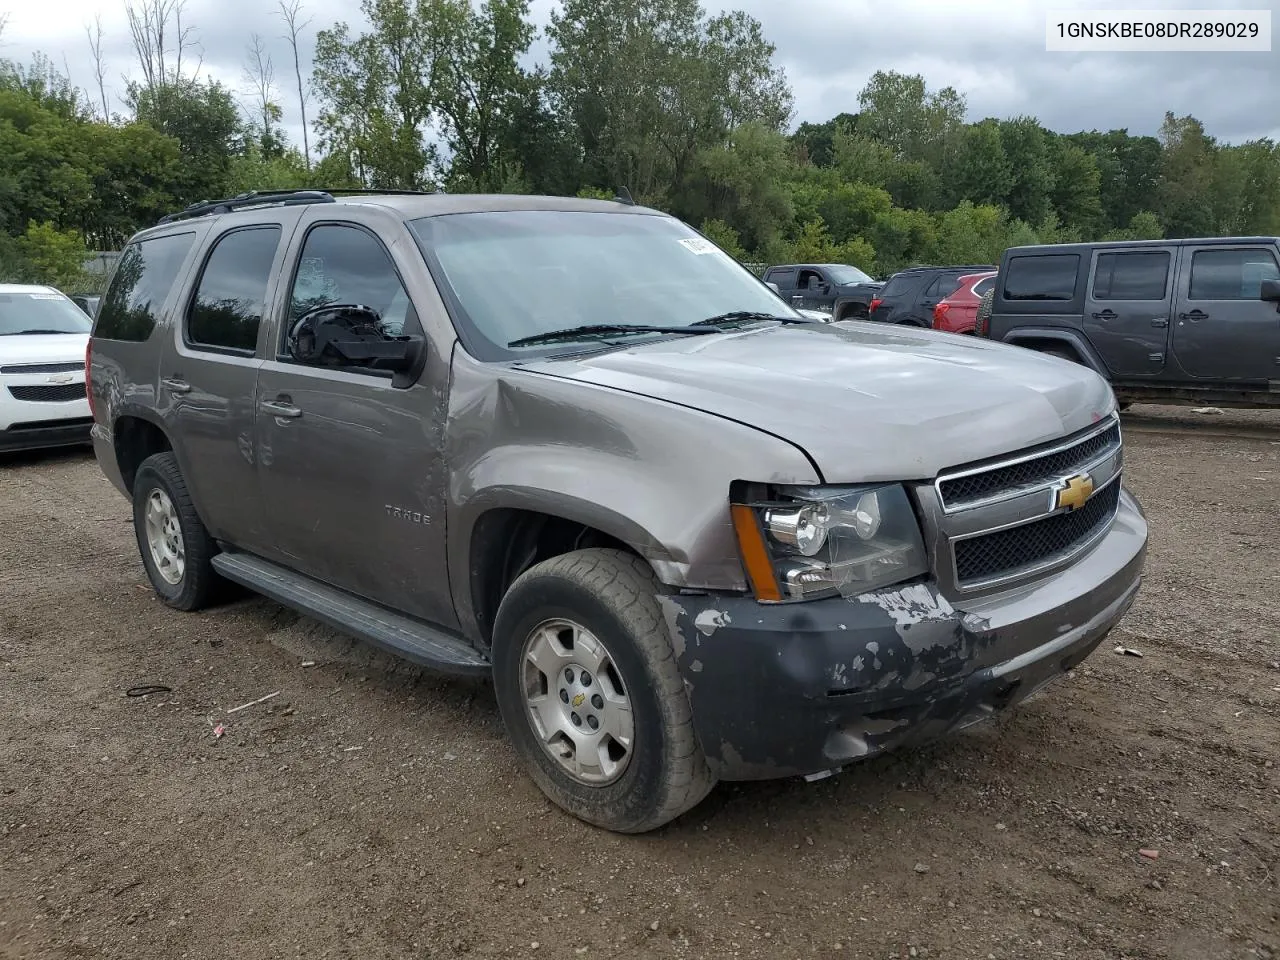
(921, 311)
(785, 278)
(1222, 330)
(1127, 307)
(209, 371)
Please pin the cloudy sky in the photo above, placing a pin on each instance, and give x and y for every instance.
(993, 52)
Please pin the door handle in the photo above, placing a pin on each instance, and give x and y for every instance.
(1160, 321)
(280, 408)
(1194, 315)
(176, 385)
(1106, 315)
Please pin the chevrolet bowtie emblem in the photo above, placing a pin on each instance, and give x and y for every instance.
(1072, 493)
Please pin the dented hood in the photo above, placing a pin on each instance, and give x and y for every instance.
(866, 402)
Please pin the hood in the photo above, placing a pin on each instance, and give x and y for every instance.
(867, 403)
(43, 348)
(866, 286)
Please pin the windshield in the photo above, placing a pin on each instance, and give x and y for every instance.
(40, 313)
(514, 274)
(843, 273)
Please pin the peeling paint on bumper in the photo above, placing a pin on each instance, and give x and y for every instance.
(794, 689)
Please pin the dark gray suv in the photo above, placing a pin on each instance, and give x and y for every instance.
(1166, 321)
(574, 446)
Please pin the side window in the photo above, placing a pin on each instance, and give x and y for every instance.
(1231, 274)
(226, 311)
(346, 265)
(1131, 276)
(896, 286)
(786, 279)
(1051, 277)
(810, 280)
(943, 286)
(982, 286)
(142, 280)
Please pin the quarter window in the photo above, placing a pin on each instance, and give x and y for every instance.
(1051, 277)
(1231, 274)
(227, 309)
(982, 286)
(1131, 276)
(140, 285)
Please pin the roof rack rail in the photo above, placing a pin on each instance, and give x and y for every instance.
(254, 198)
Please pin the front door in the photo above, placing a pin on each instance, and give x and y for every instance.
(1127, 308)
(208, 374)
(1222, 329)
(351, 462)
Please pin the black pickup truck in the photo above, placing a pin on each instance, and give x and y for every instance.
(838, 289)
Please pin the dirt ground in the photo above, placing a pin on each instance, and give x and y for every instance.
(371, 810)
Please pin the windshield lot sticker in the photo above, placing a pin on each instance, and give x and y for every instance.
(698, 245)
(46, 296)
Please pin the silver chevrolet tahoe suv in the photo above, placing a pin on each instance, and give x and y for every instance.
(691, 534)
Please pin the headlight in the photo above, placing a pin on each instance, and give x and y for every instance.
(822, 541)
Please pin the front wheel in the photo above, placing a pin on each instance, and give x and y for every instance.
(590, 694)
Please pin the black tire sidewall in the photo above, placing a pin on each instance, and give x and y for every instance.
(639, 789)
(153, 475)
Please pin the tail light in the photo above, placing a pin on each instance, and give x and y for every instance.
(940, 315)
(875, 302)
(88, 382)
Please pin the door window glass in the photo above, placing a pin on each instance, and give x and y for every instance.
(348, 266)
(1231, 274)
(1132, 276)
(227, 309)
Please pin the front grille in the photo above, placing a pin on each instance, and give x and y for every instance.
(972, 488)
(43, 367)
(994, 555)
(61, 393)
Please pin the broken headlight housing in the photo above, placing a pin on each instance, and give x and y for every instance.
(824, 541)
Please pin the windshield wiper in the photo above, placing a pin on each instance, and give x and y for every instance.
(746, 315)
(606, 329)
(19, 333)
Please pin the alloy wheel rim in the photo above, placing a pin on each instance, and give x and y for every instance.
(164, 537)
(577, 703)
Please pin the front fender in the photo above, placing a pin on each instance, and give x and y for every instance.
(649, 473)
(1022, 336)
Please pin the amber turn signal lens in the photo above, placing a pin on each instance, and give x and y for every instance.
(755, 556)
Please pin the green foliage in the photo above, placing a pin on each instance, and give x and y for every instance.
(45, 254)
(725, 237)
(202, 117)
(814, 245)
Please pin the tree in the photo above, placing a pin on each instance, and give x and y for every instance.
(1077, 185)
(979, 169)
(202, 117)
(1026, 145)
(725, 237)
(899, 111)
(52, 256)
(159, 40)
(99, 64)
(290, 11)
(259, 74)
(1186, 206)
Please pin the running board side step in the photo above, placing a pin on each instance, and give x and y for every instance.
(410, 639)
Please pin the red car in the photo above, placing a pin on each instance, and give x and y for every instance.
(956, 312)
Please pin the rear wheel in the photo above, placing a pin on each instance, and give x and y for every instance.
(589, 691)
(176, 548)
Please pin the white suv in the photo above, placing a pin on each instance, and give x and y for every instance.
(43, 338)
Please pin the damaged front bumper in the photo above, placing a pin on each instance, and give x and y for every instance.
(797, 689)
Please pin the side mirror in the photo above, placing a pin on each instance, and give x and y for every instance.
(773, 286)
(1270, 291)
(350, 333)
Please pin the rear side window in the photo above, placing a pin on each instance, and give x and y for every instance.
(982, 286)
(1131, 276)
(1051, 277)
(783, 278)
(898, 284)
(226, 311)
(1231, 274)
(141, 284)
(944, 285)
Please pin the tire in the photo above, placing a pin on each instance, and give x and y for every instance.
(984, 309)
(565, 611)
(191, 584)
